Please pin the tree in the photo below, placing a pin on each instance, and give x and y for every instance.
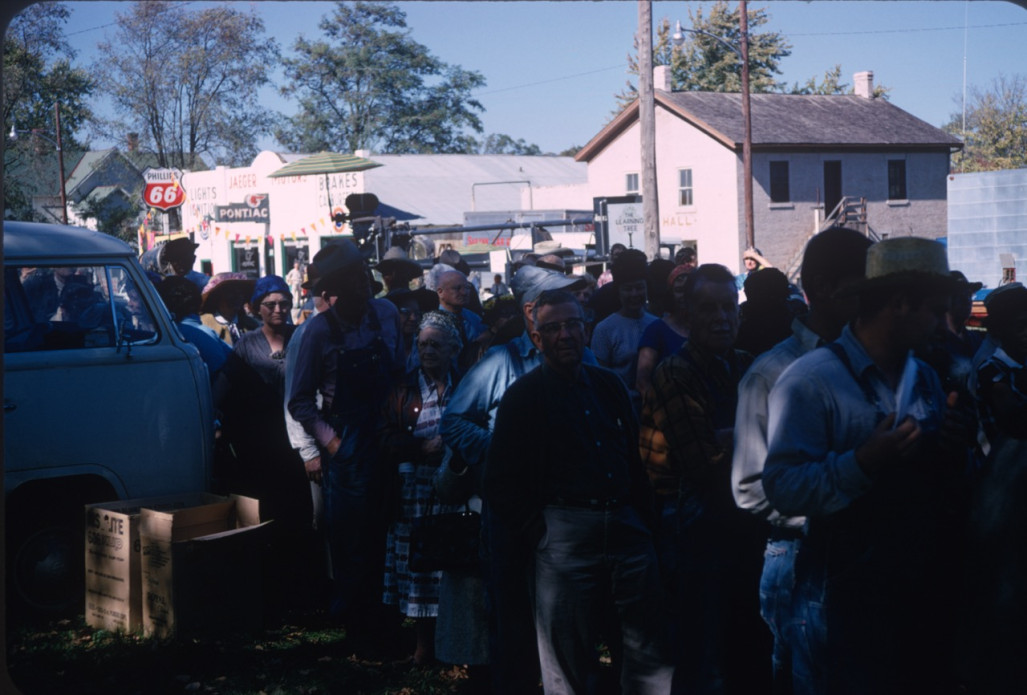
(186, 81)
(996, 127)
(119, 219)
(832, 84)
(369, 86)
(702, 63)
(501, 143)
(37, 74)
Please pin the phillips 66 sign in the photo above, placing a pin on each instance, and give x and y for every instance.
(163, 188)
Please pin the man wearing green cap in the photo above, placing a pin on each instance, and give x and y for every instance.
(864, 442)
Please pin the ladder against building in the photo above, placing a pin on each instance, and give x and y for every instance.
(849, 212)
(1008, 262)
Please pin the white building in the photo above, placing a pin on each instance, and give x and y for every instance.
(246, 221)
(809, 153)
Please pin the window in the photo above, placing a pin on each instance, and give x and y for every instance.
(66, 307)
(779, 192)
(896, 179)
(631, 184)
(685, 187)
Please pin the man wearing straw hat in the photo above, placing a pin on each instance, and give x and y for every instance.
(866, 445)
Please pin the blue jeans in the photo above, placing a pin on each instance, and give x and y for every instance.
(587, 557)
(356, 537)
(808, 639)
(777, 586)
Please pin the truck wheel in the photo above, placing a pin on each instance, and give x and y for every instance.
(45, 555)
(46, 576)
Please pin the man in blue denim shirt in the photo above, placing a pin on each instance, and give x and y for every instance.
(467, 429)
(833, 259)
(863, 442)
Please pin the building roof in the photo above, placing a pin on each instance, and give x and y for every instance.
(87, 164)
(94, 159)
(101, 193)
(436, 189)
(789, 122)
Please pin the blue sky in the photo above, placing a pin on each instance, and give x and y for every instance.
(553, 68)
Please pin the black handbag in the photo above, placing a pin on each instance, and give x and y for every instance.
(445, 540)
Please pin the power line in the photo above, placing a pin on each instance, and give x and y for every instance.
(554, 79)
(83, 31)
(906, 31)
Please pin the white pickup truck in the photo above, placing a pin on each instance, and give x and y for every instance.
(103, 400)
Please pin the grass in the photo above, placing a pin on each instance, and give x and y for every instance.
(302, 656)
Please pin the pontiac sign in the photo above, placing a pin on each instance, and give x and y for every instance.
(255, 209)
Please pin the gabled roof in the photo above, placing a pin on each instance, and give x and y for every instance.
(101, 193)
(90, 162)
(789, 121)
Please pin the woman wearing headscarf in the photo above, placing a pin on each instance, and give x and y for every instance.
(250, 394)
(412, 451)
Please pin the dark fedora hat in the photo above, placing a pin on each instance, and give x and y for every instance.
(182, 247)
(339, 257)
(396, 260)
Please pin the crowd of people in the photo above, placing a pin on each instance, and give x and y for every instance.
(812, 491)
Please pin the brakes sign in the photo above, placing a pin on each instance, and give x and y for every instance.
(163, 188)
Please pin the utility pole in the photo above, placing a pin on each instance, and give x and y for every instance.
(60, 162)
(743, 26)
(647, 125)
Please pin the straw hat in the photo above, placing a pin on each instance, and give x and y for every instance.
(904, 260)
(223, 281)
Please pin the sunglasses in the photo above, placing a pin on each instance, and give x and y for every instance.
(282, 304)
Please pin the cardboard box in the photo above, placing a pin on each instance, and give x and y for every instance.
(113, 576)
(202, 568)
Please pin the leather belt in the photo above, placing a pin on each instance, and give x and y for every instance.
(783, 533)
(596, 504)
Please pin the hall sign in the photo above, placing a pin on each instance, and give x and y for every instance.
(255, 208)
(163, 189)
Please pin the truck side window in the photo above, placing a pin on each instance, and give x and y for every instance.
(68, 307)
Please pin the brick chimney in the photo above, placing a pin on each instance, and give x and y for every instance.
(661, 77)
(132, 142)
(863, 84)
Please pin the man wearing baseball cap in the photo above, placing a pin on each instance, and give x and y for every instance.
(864, 442)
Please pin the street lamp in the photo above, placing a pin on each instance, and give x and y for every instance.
(742, 52)
(36, 132)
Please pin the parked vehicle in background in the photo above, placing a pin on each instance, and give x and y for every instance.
(103, 400)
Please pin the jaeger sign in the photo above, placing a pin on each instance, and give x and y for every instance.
(255, 209)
